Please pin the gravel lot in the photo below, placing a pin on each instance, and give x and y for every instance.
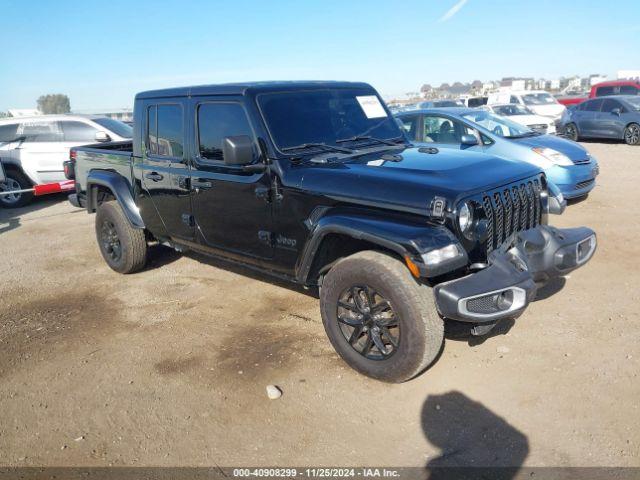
(169, 366)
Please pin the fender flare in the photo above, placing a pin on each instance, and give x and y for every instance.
(120, 188)
(405, 239)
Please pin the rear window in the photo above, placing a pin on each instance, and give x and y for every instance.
(116, 126)
(78, 132)
(628, 90)
(604, 91)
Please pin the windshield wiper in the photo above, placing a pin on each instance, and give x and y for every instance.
(323, 146)
(391, 141)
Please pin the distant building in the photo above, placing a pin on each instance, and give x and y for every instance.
(628, 74)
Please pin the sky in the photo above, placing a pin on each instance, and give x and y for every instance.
(101, 53)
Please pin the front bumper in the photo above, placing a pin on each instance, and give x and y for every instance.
(574, 181)
(505, 287)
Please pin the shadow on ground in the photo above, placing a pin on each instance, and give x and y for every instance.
(470, 436)
(10, 217)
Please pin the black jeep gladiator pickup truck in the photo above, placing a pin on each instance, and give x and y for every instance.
(315, 182)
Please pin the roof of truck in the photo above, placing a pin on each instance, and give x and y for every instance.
(242, 88)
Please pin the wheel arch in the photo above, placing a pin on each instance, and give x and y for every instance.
(101, 182)
(336, 236)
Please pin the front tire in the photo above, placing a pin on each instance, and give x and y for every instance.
(632, 134)
(381, 321)
(15, 180)
(571, 132)
(123, 247)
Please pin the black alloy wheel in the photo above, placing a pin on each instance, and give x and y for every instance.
(368, 322)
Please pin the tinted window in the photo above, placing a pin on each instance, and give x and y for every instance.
(593, 106)
(477, 102)
(326, 116)
(409, 126)
(609, 105)
(78, 132)
(115, 126)
(40, 131)
(170, 131)
(152, 130)
(513, 99)
(8, 132)
(629, 90)
(602, 91)
(219, 120)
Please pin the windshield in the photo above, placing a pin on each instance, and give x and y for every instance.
(511, 109)
(542, 98)
(634, 102)
(116, 126)
(326, 117)
(498, 125)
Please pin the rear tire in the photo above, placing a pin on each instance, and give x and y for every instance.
(381, 321)
(571, 132)
(632, 134)
(123, 247)
(15, 180)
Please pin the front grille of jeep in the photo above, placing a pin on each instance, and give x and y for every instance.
(510, 209)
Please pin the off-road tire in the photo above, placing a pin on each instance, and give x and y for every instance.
(571, 132)
(421, 328)
(132, 242)
(19, 179)
(632, 134)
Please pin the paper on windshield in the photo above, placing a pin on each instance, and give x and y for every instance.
(371, 106)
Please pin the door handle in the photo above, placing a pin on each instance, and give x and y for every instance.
(200, 184)
(155, 176)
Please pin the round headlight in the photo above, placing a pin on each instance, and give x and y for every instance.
(465, 217)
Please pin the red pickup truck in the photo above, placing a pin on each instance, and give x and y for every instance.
(614, 87)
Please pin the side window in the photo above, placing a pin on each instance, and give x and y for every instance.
(170, 131)
(629, 90)
(442, 130)
(39, 131)
(593, 106)
(604, 91)
(609, 105)
(216, 121)
(165, 132)
(78, 132)
(514, 99)
(8, 133)
(409, 126)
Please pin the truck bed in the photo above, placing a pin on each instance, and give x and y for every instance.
(113, 156)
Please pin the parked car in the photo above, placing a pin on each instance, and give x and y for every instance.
(33, 149)
(314, 182)
(615, 117)
(565, 163)
(524, 116)
(538, 101)
(473, 102)
(605, 89)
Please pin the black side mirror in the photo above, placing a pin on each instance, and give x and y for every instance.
(238, 150)
(617, 111)
(469, 140)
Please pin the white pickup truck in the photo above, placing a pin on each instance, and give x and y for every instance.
(33, 149)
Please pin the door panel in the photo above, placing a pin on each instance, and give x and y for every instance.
(165, 169)
(610, 124)
(231, 207)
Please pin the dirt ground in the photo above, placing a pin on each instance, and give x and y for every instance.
(169, 366)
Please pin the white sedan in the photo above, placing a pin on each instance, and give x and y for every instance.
(522, 115)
